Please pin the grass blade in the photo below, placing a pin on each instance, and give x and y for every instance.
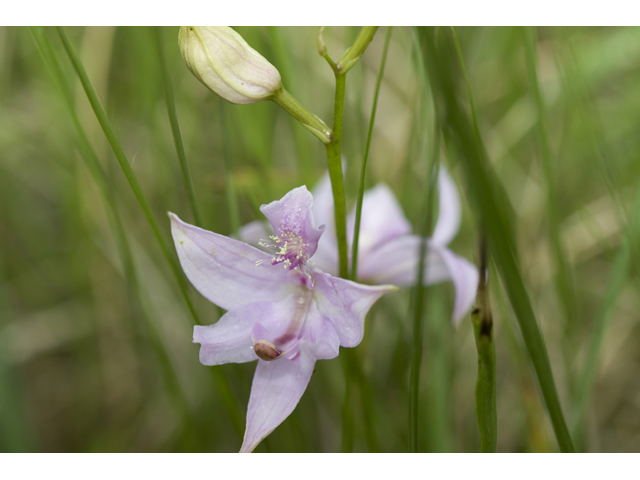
(175, 127)
(126, 168)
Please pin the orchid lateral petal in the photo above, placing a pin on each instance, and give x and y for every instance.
(227, 272)
(275, 392)
(229, 340)
(382, 219)
(449, 215)
(292, 215)
(345, 304)
(465, 280)
(397, 262)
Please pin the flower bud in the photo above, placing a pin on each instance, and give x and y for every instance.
(227, 65)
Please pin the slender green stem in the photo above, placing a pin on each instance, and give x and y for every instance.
(175, 127)
(335, 173)
(126, 167)
(485, 191)
(339, 201)
(356, 231)
(351, 365)
(420, 295)
(232, 200)
(308, 120)
(563, 274)
(353, 53)
(481, 317)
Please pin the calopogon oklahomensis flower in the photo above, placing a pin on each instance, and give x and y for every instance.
(387, 251)
(281, 311)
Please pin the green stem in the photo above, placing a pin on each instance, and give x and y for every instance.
(486, 409)
(420, 296)
(356, 231)
(308, 120)
(335, 173)
(175, 127)
(126, 167)
(353, 53)
(485, 190)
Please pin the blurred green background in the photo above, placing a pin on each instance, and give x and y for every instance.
(89, 362)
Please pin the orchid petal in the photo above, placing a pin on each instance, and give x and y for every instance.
(396, 262)
(345, 304)
(382, 219)
(276, 390)
(448, 222)
(229, 340)
(319, 336)
(465, 279)
(227, 272)
(292, 215)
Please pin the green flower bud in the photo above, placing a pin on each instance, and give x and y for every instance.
(227, 65)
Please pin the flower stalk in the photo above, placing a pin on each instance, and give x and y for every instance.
(353, 53)
(335, 173)
(308, 120)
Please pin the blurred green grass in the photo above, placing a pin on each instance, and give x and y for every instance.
(76, 370)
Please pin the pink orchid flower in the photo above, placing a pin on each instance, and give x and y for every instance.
(387, 251)
(281, 312)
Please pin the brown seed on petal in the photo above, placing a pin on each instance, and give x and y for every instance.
(266, 350)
